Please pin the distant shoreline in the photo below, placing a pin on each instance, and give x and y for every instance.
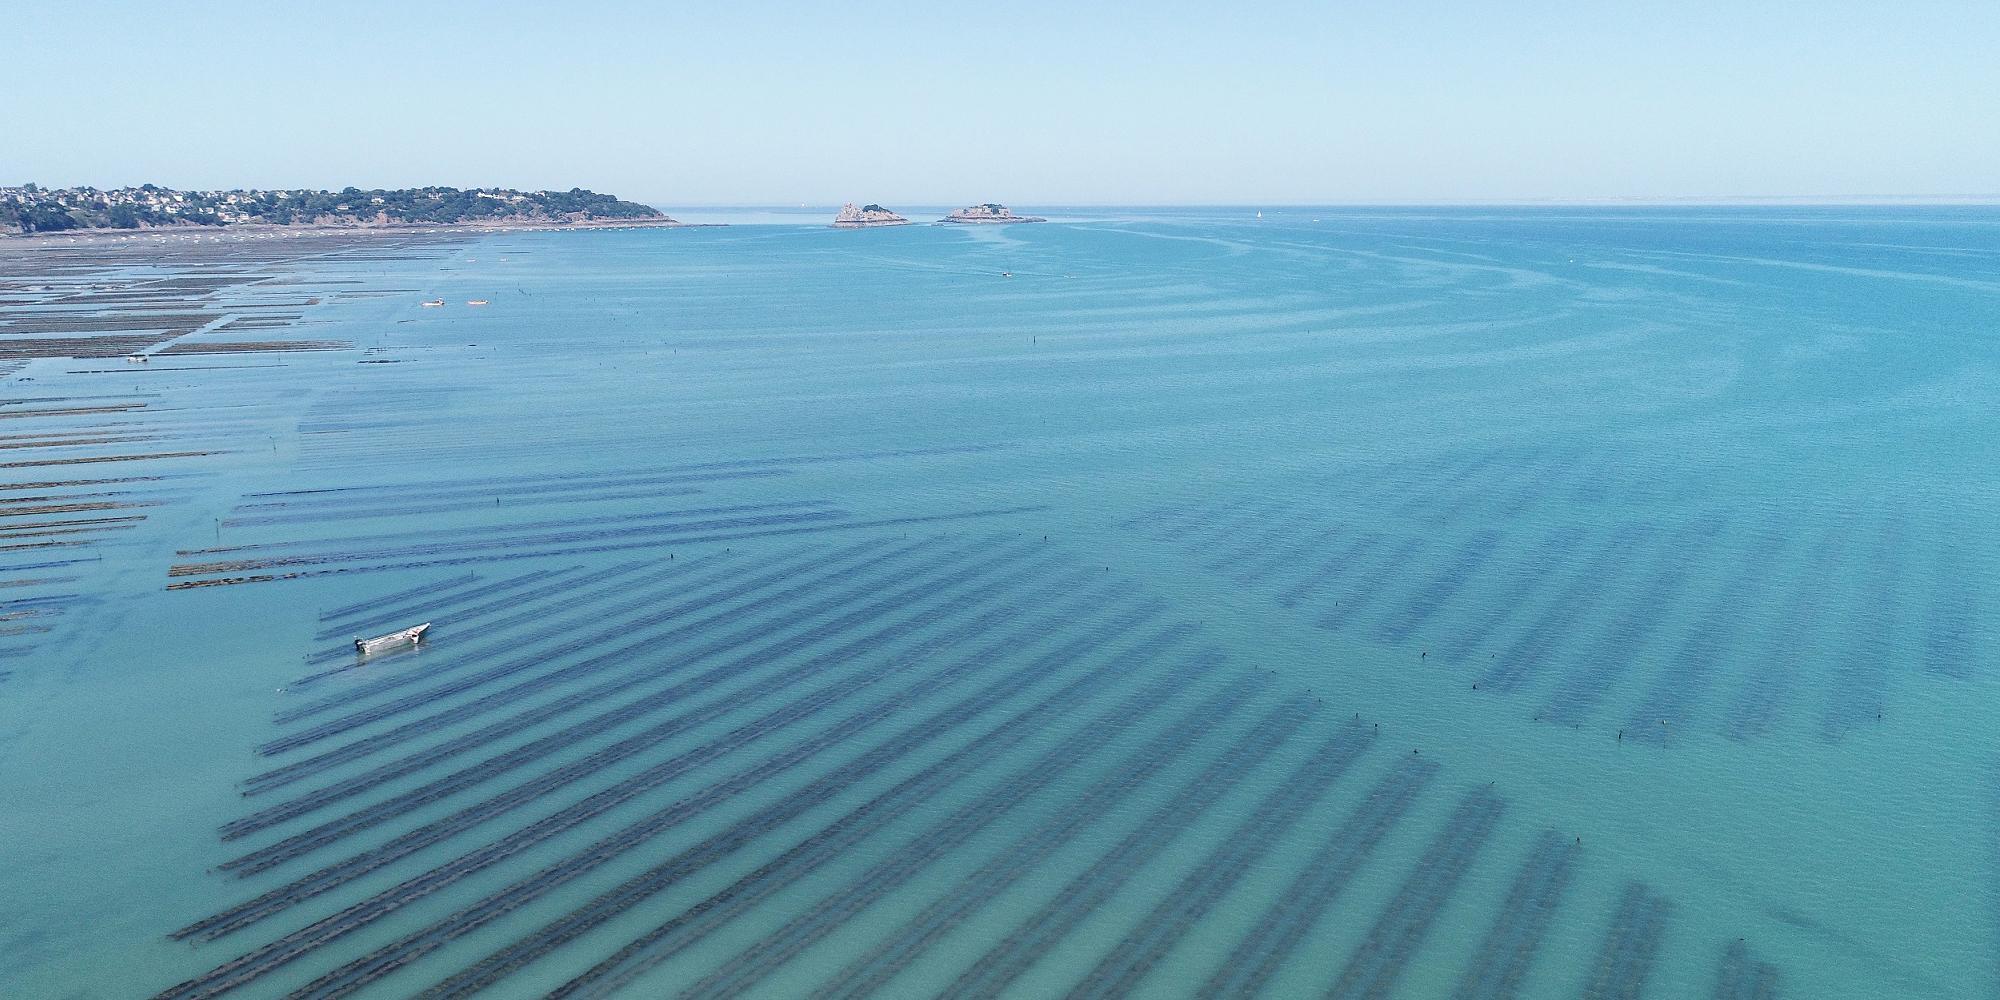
(356, 229)
(31, 208)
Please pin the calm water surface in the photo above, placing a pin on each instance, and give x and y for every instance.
(1421, 603)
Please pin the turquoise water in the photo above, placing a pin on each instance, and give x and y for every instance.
(1422, 603)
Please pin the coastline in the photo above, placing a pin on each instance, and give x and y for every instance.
(359, 229)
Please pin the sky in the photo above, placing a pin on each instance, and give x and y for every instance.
(1025, 102)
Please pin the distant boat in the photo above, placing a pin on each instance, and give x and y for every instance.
(395, 640)
(433, 303)
(475, 302)
(1006, 274)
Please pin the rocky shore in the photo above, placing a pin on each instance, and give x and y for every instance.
(237, 231)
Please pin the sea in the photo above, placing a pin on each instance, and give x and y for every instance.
(1470, 603)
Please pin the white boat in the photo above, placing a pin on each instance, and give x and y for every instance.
(395, 640)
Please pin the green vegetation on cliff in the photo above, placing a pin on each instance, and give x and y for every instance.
(34, 209)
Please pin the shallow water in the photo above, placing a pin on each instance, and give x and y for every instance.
(1473, 603)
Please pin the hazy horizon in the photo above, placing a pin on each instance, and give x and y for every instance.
(1284, 104)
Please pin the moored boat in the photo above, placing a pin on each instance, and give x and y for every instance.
(395, 640)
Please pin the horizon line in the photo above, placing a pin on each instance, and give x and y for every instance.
(1851, 200)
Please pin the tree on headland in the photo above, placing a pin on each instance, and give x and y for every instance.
(46, 219)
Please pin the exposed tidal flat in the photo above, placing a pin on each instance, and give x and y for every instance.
(1465, 603)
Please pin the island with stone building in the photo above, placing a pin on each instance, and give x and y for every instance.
(988, 213)
(866, 217)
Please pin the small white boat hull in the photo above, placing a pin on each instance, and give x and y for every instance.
(412, 636)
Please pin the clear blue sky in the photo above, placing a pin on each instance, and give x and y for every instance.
(1026, 101)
